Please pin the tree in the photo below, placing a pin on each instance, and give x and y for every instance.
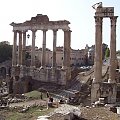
(5, 51)
(107, 53)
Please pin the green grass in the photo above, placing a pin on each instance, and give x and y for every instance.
(31, 114)
(35, 95)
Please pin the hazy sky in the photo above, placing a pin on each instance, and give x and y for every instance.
(79, 12)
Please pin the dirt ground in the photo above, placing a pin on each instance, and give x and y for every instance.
(100, 113)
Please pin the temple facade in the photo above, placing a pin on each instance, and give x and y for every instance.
(20, 72)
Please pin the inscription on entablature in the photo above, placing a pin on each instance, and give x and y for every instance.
(105, 11)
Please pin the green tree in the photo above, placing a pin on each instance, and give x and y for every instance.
(5, 51)
(107, 53)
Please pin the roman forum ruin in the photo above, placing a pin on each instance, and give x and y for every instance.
(100, 88)
(24, 77)
(44, 74)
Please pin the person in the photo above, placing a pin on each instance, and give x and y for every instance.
(41, 96)
(47, 94)
(50, 99)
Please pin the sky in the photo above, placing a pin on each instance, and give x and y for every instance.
(79, 12)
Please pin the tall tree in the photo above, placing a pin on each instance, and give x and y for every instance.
(5, 51)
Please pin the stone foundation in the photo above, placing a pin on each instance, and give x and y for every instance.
(29, 78)
(104, 90)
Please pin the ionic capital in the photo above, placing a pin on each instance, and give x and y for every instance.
(65, 30)
(24, 31)
(55, 30)
(20, 32)
(15, 31)
(33, 30)
(45, 30)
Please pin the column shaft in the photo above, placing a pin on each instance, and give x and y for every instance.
(66, 51)
(24, 48)
(54, 48)
(113, 49)
(14, 62)
(98, 50)
(43, 62)
(33, 48)
(20, 49)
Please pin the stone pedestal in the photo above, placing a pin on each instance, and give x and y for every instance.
(95, 92)
(104, 90)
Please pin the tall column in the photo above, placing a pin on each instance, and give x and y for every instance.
(95, 90)
(113, 49)
(43, 62)
(66, 51)
(24, 48)
(20, 49)
(14, 62)
(33, 48)
(54, 48)
(98, 50)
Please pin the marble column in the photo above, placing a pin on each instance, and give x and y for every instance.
(43, 62)
(66, 51)
(20, 49)
(98, 50)
(24, 48)
(66, 54)
(113, 50)
(95, 90)
(33, 48)
(14, 60)
(54, 48)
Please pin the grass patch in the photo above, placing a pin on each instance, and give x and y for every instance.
(35, 95)
(31, 114)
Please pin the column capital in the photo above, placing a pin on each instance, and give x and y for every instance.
(98, 20)
(66, 30)
(113, 20)
(33, 30)
(24, 31)
(15, 31)
(45, 30)
(19, 31)
(55, 30)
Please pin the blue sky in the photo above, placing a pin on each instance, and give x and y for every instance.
(79, 12)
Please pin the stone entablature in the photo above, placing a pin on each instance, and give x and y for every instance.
(41, 22)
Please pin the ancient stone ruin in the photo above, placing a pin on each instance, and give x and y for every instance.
(100, 88)
(25, 76)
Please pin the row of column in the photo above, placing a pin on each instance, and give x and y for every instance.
(22, 48)
(98, 49)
